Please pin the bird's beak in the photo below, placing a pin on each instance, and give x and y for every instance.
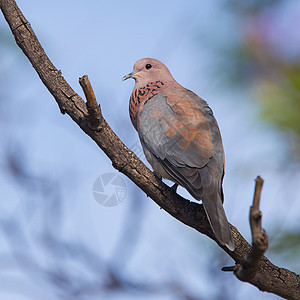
(130, 75)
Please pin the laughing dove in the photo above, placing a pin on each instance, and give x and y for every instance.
(180, 138)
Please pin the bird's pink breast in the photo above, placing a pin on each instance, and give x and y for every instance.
(140, 95)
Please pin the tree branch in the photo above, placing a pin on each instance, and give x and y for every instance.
(94, 110)
(268, 276)
(247, 270)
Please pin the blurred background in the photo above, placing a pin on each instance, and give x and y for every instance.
(63, 232)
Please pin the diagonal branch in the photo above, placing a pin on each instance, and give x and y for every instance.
(268, 276)
(248, 268)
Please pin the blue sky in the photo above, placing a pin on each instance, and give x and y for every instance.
(103, 40)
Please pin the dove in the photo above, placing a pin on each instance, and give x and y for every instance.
(180, 138)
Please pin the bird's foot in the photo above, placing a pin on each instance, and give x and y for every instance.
(158, 176)
(174, 187)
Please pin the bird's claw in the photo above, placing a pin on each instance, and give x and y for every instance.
(158, 176)
(174, 187)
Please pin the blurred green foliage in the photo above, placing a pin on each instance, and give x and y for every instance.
(286, 244)
(280, 98)
(264, 59)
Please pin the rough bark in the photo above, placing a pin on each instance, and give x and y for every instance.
(259, 238)
(268, 277)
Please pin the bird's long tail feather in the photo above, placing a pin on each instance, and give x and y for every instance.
(218, 221)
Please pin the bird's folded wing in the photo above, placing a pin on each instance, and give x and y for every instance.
(174, 127)
(178, 128)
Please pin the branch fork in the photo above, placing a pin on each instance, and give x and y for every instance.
(247, 270)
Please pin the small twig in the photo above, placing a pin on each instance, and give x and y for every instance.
(255, 214)
(229, 269)
(249, 266)
(88, 91)
(94, 110)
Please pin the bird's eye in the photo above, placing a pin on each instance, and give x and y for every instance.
(148, 66)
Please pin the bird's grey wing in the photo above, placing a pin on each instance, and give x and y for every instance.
(179, 131)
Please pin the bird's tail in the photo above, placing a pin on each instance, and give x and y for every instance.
(218, 221)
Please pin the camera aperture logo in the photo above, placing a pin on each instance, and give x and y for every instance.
(109, 189)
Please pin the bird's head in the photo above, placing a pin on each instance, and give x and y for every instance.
(148, 70)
